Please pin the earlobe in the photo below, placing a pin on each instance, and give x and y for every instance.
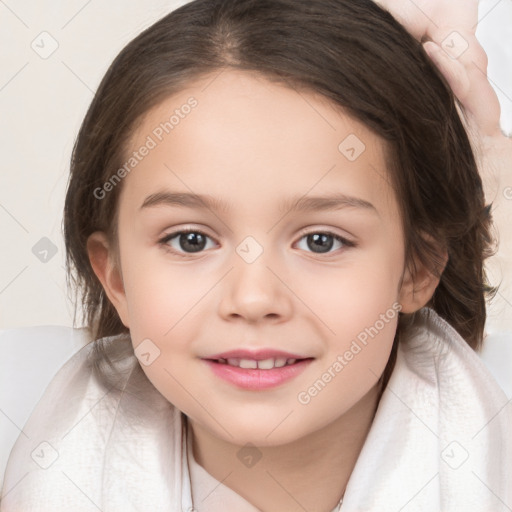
(103, 262)
(419, 284)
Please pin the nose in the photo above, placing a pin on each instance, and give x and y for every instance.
(255, 293)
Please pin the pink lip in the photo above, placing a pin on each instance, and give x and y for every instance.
(258, 355)
(254, 379)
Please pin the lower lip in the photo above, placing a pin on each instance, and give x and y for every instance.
(255, 379)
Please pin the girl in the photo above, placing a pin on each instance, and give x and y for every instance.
(277, 224)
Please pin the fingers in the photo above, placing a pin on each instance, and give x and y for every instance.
(408, 15)
(422, 18)
(453, 70)
(468, 80)
(450, 27)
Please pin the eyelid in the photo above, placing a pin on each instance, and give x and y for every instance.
(164, 240)
(346, 242)
(184, 229)
(311, 230)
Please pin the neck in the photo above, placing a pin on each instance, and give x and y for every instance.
(310, 473)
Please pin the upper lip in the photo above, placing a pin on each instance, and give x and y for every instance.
(258, 355)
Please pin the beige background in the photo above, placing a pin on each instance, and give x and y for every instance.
(43, 99)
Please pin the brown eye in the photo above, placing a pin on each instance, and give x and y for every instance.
(192, 242)
(322, 243)
(188, 241)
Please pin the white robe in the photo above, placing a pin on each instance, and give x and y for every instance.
(441, 440)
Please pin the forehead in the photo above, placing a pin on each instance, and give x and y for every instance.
(242, 138)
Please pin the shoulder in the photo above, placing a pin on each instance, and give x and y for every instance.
(59, 457)
(453, 393)
(441, 360)
(442, 414)
(436, 352)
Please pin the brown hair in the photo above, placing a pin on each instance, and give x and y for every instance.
(350, 51)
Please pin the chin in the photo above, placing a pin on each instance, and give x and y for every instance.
(262, 431)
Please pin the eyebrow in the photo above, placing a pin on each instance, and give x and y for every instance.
(335, 201)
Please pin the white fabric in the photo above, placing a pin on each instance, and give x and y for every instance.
(30, 358)
(441, 439)
(442, 436)
(208, 494)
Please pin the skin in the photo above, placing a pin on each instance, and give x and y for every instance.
(255, 144)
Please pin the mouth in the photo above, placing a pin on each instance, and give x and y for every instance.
(257, 372)
(260, 364)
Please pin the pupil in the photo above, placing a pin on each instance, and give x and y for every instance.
(192, 242)
(320, 242)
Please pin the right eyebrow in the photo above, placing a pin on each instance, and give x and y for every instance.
(187, 199)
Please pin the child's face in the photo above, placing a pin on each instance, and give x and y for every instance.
(255, 280)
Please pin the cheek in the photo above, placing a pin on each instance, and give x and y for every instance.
(351, 298)
(357, 353)
(362, 328)
(160, 295)
(346, 379)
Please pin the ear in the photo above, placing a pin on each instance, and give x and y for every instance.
(419, 283)
(104, 263)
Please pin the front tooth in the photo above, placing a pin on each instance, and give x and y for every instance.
(266, 364)
(279, 362)
(291, 361)
(233, 362)
(248, 363)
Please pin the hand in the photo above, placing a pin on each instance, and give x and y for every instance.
(443, 24)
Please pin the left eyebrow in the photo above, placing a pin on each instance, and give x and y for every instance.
(329, 202)
(300, 204)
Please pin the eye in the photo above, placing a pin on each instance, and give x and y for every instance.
(188, 241)
(321, 243)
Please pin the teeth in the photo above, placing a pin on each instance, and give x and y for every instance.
(263, 364)
(248, 363)
(266, 364)
(279, 362)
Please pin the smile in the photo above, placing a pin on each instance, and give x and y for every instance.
(262, 364)
(257, 375)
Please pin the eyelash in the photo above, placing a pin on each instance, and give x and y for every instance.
(164, 242)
